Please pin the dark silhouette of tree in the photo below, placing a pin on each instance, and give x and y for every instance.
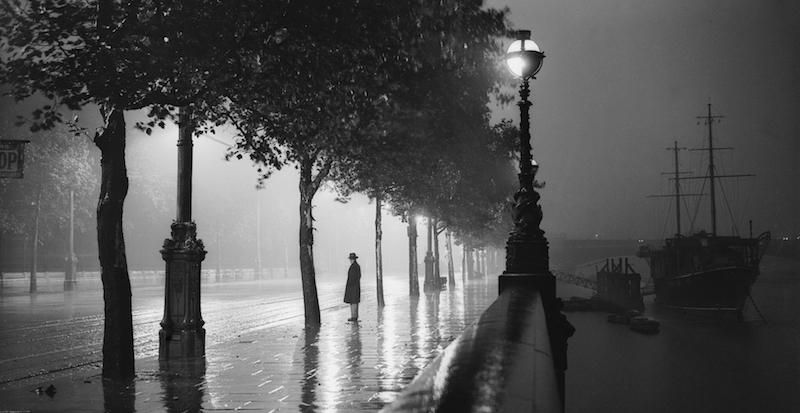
(307, 101)
(348, 81)
(479, 206)
(119, 56)
(435, 134)
(57, 163)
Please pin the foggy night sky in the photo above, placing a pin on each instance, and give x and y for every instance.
(622, 80)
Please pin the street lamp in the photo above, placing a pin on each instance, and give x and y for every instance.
(527, 261)
(182, 334)
(526, 250)
(523, 57)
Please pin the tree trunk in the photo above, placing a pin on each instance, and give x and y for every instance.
(470, 261)
(35, 245)
(485, 257)
(487, 261)
(413, 270)
(118, 361)
(257, 274)
(428, 260)
(451, 276)
(378, 250)
(437, 273)
(478, 263)
(308, 187)
(476, 253)
(464, 263)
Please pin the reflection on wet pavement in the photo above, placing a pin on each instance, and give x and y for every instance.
(119, 395)
(260, 357)
(183, 384)
(359, 366)
(343, 366)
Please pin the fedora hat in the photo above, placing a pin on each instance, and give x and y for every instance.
(352, 256)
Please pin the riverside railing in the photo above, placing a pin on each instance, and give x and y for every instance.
(502, 362)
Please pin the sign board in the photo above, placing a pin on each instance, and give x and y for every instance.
(12, 158)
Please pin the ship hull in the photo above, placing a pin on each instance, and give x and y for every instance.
(712, 292)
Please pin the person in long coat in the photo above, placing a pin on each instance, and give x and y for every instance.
(352, 291)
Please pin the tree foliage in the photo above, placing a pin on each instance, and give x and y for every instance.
(332, 88)
(130, 55)
(56, 163)
(307, 98)
(436, 151)
(336, 89)
(119, 56)
(479, 208)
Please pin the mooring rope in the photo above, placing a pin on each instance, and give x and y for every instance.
(756, 307)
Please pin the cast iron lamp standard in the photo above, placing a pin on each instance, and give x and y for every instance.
(182, 334)
(526, 251)
(527, 261)
(430, 284)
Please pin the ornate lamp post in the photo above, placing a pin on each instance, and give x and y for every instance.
(430, 284)
(527, 261)
(526, 251)
(182, 334)
(71, 260)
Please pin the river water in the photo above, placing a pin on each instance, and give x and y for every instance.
(692, 364)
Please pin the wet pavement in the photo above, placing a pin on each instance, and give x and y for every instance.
(259, 355)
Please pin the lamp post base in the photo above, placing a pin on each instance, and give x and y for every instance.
(430, 283)
(527, 255)
(182, 333)
(70, 273)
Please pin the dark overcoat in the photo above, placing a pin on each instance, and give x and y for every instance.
(352, 292)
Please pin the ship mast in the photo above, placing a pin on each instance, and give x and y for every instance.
(677, 191)
(711, 170)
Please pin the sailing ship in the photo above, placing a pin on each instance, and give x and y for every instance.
(705, 273)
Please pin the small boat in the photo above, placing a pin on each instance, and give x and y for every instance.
(624, 318)
(642, 324)
(578, 304)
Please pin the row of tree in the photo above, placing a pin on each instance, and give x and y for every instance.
(57, 164)
(386, 97)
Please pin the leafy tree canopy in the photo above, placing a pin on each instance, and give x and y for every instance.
(129, 55)
(451, 53)
(56, 162)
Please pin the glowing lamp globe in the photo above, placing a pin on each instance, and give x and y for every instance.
(523, 57)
